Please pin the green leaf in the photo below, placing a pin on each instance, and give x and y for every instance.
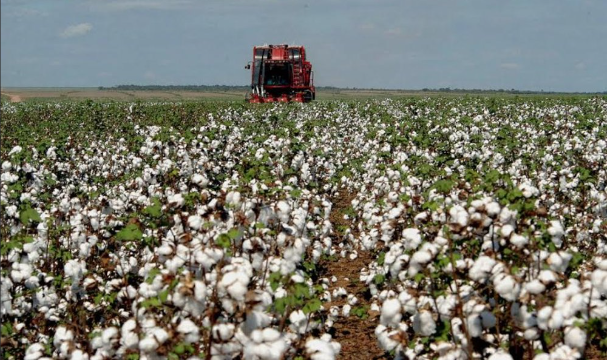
(379, 279)
(154, 210)
(163, 295)
(312, 306)
(275, 279)
(129, 233)
(234, 233)
(223, 240)
(28, 215)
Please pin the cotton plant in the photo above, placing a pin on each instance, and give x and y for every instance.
(188, 233)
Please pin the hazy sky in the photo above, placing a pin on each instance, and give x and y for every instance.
(551, 45)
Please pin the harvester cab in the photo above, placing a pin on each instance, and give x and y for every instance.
(280, 73)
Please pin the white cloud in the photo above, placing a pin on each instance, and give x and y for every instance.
(510, 66)
(76, 30)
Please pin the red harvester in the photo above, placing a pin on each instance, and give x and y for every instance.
(280, 73)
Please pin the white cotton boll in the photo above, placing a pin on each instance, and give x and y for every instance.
(423, 323)
(559, 261)
(233, 198)
(195, 222)
(506, 231)
(542, 356)
(543, 316)
(535, 287)
(283, 211)
(128, 337)
(176, 200)
(299, 322)
(482, 268)
(459, 215)
(148, 344)
(506, 286)
(345, 311)
(547, 277)
(599, 281)
(556, 319)
(519, 240)
(200, 180)
(500, 355)
(507, 216)
(235, 283)
(34, 351)
(189, 330)
(412, 238)
(390, 312)
(318, 349)
(531, 334)
(16, 150)
(556, 231)
(384, 337)
(575, 337)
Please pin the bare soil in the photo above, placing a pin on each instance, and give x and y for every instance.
(355, 334)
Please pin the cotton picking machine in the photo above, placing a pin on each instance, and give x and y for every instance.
(280, 73)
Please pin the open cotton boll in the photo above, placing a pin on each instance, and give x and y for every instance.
(575, 338)
(556, 231)
(390, 312)
(520, 241)
(195, 222)
(482, 268)
(200, 180)
(412, 238)
(500, 355)
(319, 349)
(233, 198)
(559, 261)
(535, 287)
(34, 351)
(423, 323)
(506, 286)
(62, 334)
(299, 322)
(189, 331)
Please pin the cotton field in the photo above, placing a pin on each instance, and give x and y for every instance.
(197, 230)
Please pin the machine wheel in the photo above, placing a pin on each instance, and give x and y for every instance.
(308, 96)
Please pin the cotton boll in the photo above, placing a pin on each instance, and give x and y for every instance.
(535, 287)
(233, 198)
(299, 322)
(506, 231)
(412, 238)
(390, 312)
(195, 222)
(500, 355)
(556, 231)
(559, 261)
(575, 337)
(384, 337)
(506, 286)
(482, 268)
(318, 349)
(520, 241)
(423, 323)
(189, 331)
(34, 351)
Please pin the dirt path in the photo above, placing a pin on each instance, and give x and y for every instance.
(13, 98)
(354, 333)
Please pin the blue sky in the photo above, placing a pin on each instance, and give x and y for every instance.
(550, 45)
